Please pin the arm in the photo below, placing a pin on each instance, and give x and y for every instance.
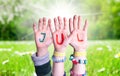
(60, 40)
(43, 40)
(79, 43)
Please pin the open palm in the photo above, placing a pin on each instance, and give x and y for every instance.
(79, 39)
(42, 34)
(60, 35)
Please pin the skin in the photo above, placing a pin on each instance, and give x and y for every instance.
(42, 47)
(60, 29)
(79, 41)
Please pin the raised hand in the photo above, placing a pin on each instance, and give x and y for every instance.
(79, 35)
(60, 35)
(42, 35)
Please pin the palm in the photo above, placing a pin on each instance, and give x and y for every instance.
(79, 39)
(79, 36)
(40, 40)
(60, 38)
(60, 43)
(42, 34)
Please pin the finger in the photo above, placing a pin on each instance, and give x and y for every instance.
(34, 27)
(70, 25)
(65, 23)
(79, 22)
(40, 24)
(75, 22)
(50, 25)
(56, 24)
(44, 23)
(85, 25)
(60, 22)
(68, 39)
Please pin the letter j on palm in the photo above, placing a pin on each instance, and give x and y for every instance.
(43, 37)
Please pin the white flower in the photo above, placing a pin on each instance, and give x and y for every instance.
(23, 53)
(4, 62)
(34, 74)
(5, 49)
(117, 55)
(109, 48)
(101, 70)
(99, 48)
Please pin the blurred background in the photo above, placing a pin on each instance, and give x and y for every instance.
(17, 16)
(16, 34)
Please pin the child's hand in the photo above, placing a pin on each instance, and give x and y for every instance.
(79, 39)
(42, 36)
(60, 35)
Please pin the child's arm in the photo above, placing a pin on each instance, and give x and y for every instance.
(79, 43)
(60, 41)
(43, 40)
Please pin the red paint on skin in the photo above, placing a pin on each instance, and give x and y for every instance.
(80, 40)
(62, 37)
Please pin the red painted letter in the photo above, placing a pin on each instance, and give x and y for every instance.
(80, 40)
(62, 37)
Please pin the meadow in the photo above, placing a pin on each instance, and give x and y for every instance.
(103, 58)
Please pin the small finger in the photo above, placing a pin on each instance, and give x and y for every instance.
(50, 25)
(85, 25)
(79, 22)
(34, 27)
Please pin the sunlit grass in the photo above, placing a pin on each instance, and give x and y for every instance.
(103, 58)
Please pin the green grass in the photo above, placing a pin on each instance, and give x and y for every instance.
(100, 55)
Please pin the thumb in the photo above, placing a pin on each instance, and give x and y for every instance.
(34, 28)
(68, 39)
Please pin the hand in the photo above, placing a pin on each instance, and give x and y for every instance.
(42, 35)
(60, 35)
(79, 36)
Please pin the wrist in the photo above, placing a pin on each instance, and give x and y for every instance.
(76, 60)
(40, 60)
(81, 57)
(80, 49)
(59, 54)
(41, 52)
(80, 54)
(59, 57)
(60, 50)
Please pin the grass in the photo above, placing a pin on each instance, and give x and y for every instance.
(103, 58)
